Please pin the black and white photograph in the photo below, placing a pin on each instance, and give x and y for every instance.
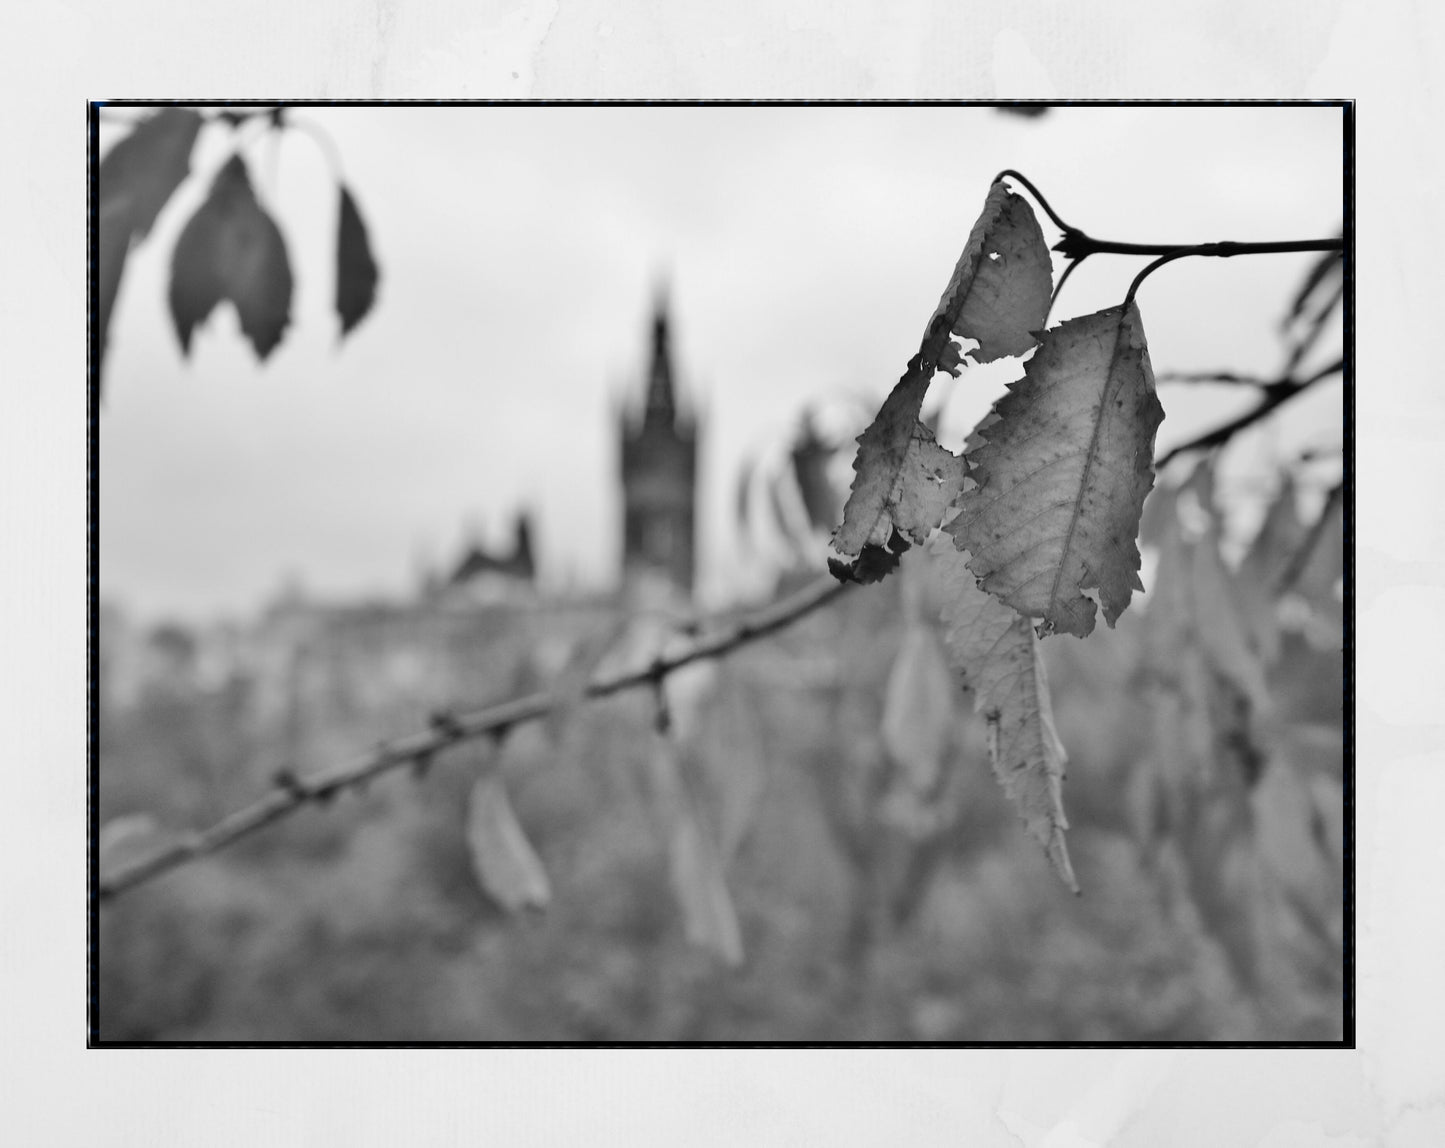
(728, 574)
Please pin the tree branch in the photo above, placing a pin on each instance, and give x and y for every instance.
(291, 791)
(1275, 394)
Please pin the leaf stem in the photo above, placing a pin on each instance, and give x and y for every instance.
(1224, 250)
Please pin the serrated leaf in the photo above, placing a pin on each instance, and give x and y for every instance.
(1063, 475)
(694, 864)
(1000, 288)
(504, 862)
(996, 655)
(231, 249)
(905, 481)
(918, 708)
(356, 270)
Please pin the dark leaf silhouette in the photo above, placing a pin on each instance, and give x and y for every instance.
(356, 269)
(137, 177)
(142, 170)
(231, 249)
(114, 242)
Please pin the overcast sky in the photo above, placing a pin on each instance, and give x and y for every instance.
(806, 249)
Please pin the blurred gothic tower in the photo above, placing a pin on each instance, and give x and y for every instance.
(659, 474)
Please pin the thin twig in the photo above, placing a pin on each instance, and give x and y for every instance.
(450, 730)
(1228, 378)
(1275, 394)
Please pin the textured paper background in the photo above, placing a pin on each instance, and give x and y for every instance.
(1385, 53)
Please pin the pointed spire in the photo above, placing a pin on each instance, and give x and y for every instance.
(661, 402)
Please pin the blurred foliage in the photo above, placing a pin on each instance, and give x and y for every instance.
(871, 909)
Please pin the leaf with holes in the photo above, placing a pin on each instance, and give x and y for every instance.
(1000, 288)
(356, 269)
(905, 481)
(505, 863)
(231, 249)
(1063, 473)
(136, 180)
(996, 655)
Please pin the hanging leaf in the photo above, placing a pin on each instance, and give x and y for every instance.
(137, 178)
(810, 456)
(905, 482)
(694, 865)
(231, 249)
(503, 859)
(998, 295)
(356, 269)
(1222, 623)
(918, 708)
(1263, 568)
(1063, 474)
(144, 169)
(734, 762)
(996, 655)
(999, 292)
(113, 241)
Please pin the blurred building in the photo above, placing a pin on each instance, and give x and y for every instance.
(659, 475)
(492, 575)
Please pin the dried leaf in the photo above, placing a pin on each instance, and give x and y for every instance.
(905, 482)
(996, 654)
(503, 859)
(1063, 475)
(114, 232)
(999, 292)
(998, 295)
(231, 249)
(918, 708)
(356, 269)
(693, 862)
